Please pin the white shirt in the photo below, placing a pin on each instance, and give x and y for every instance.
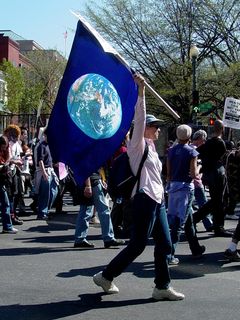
(150, 181)
(15, 151)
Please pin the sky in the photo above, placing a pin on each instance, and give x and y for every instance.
(43, 21)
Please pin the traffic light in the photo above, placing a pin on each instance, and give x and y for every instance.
(211, 121)
(195, 98)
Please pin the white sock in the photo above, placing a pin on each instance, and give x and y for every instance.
(232, 246)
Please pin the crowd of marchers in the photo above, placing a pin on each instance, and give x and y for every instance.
(198, 180)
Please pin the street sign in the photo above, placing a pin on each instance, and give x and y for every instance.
(204, 107)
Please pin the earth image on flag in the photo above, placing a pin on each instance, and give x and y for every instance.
(94, 106)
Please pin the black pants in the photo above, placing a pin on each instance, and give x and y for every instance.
(236, 235)
(149, 218)
(216, 182)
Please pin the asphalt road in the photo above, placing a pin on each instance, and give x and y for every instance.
(43, 277)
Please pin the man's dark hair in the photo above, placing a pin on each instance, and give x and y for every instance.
(218, 126)
(23, 129)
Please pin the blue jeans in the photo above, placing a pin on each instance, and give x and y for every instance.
(5, 209)
(201, 199)
(180, 198)
(149, 218)
(48, 190)
(86, 213)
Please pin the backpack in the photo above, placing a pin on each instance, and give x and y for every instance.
(121, 179)
(76, 191)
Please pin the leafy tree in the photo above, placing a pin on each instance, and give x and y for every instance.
(216, 86)
(27, 86)
(31, 98)
(15, 85)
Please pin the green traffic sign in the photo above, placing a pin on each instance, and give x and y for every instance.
(206, 106)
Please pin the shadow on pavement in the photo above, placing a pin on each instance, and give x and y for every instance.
(58, 310)
(187, 269)
(30, 251)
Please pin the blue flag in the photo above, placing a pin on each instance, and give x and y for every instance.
(94, 107)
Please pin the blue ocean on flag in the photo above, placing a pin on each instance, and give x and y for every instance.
(94, 107)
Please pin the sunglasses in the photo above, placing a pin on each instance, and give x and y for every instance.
(153, 126)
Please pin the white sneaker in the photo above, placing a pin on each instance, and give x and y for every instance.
(167, 294)
(108, 286)
(173, 261)
(231, 217)
(12, 231)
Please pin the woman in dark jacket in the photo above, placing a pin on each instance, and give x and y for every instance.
(4, 181)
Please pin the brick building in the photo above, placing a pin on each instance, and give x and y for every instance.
(14, 47)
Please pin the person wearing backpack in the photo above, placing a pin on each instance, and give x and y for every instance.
(121, 213)
(149, 214)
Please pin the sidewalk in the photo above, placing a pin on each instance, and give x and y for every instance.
(44, 278)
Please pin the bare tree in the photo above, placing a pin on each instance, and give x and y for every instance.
(155, 37)
(43, 78)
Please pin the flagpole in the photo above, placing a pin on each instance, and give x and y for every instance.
(154, 93)
(162, 101)
(37, 117)
(123, 61)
